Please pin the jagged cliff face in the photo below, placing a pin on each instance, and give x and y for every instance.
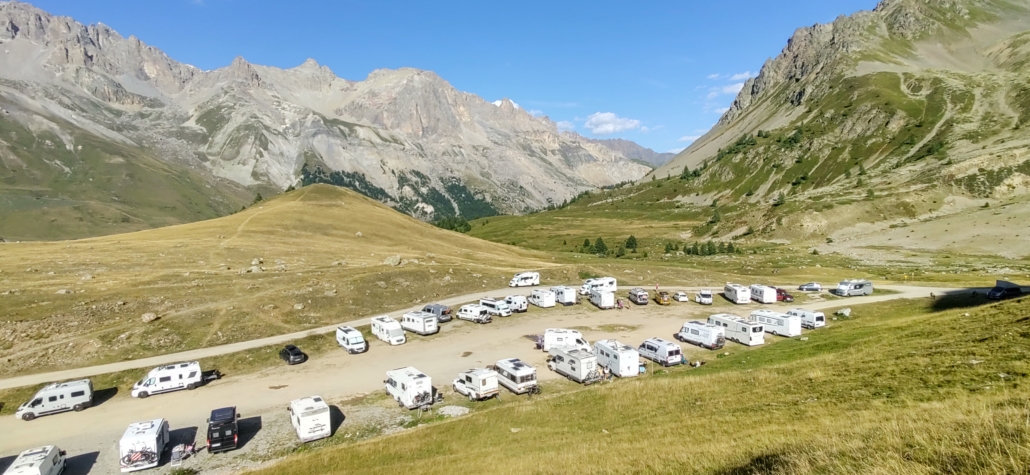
(405, 137)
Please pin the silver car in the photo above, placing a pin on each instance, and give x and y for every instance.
(810, 287)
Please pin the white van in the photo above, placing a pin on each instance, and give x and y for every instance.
(518, 377)
(607, 284)
(542, 298)
(809, 318)
(574, 363)
(602, 299)
(563, 338)
(173, 377)
(525, 279)
(57, 397)
(564, 295)
(477, 384)
(705, 335)
(780, 324)
(496, 308)
(389, 330)
(739, 330)
(142, 445)
(517, 303)
(47, 460)
(410, 387)
(310, 418)
(763, 294)
(704, 297)
(737, 293)
(474, 313)
(622, 360)
(638, 296)
(351, 340)
(663, 352)
(852, 288)
(423, 323)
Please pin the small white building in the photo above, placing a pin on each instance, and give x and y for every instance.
(542, 298)
(737, 293)
(574, 363)
(47, 460)
(517, 376)
(739, 330)
(525, 279)
(311, 418)
(422, 323)
(809, 318)
(622, 360)
(564, 295)
(142, 444)
(563, 338)
(780, 324)
(168, 378)
(410, 387)
(705, 335)
(389, 330)
(602, 299)
(763, 293)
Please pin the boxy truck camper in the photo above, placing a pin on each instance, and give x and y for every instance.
(602, 299)
(142, 445)
(525, 279)
(223, 432)
(410, 387)
(663, 352)
(780, 324)
(854, 288)
(420, 322)
(737, 293)
(622, 360)
(563, 338)
(389, 330)
(608, 284)
(739, 330)
(542, 298)
(310, 418)
(168, 378)
(351, 340)
(477, 384)
(705, 335)
(564, 295)
(763, 293)
(47, 460)
(517, 303)
(809, 319)
(518, 377)
(574, 363)
(57, 397)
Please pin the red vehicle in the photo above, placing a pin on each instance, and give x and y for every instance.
(783, 296)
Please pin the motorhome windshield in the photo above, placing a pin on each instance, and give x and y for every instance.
(354, 340)
(396, 332)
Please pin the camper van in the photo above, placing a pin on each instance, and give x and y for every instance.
(173, 377)
(622, 360)
(577, 364)
(310, 418)
(853, 288)
(739, 330)
(518, 377)
(57, 397)
(525, 279)
(517, 303)
(602, 299)
(763, 293)
(564, 295)
(705, 335)
(474, 313)
(542, 298)
(351, 340)
(477, 384)
(809, 318)
(442, 312)
(496, 308)
(420, 322)
(638, 296)
(779, 324)
(142, 445)
(48, 460)
(601, 283)
(663, 352)
(389, 330)
(410, 387)
(562, 338)
(737, 293)
(704, 297)
(223, 430)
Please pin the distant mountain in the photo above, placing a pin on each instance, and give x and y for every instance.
(635, 151)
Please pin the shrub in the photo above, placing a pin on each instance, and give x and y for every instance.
(631, 243)
(781, 199)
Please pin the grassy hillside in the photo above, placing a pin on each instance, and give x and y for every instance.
(905, 387)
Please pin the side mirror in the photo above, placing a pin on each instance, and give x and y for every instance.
(62, 452)
(207, 420)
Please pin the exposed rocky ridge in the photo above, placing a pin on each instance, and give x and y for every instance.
(635, 151)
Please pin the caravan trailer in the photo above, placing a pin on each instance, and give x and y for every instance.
(809, 319)
(525, 279)
(853, 288)
(542, 298)
(47, 460)
(423, 323)
(389, 330)
(705, 335)
(57, 397)
(608, 284)
(779, 324)
(310, 418)
(477, 384)
(142, 445)
(173, 377)
(564, 295)
(602, 299)
(622, 360)
(577, 364)
(518, 377)
(410, 387)
(663, 352)
(737, 293)
(351, 340)
(562, 338)
(739, 330)
(763, 293)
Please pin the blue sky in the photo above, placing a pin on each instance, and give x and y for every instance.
(656, 72)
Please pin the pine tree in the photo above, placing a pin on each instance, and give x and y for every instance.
(722, 247)
(586, 243)
(716, 217)
(631, 242)
(731, 249)
(600, 247)
(668, 247)
(695, 249)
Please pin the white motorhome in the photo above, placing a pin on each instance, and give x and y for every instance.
(518, 377)
(608, 284)
(737, 293)
(705, 335)
(638, 296)
(542, 298)
(474, 313)
(47, 460)
(311, 418)
(477, 384)
(663, 352)
(704, 297)
(780, 324)
(423, 323)
(739, 330)
(351, 340)
(622, 360)
(57, 397)
(809, 318)
(852, 288)
(577, 364)
(410, 387)
(763, 294)
(517, 303)
(564, 295)
(142, 445)
(496, 308)
(602, 299)
(563, 338)
(168, 378)
(525, 279)
(389, 330)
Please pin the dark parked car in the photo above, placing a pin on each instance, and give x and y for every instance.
(783, 296)
(810, 287)
(292, 355)
(442, 312)
(1002, 293)
(223, 430)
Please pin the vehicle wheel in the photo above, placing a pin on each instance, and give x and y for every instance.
(28, 416)
(144, 395)
(78, 408)
(191, 386)
(472, 397)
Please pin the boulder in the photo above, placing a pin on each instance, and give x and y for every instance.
(298, 306)
(392, 261)
(844, 312)
(149, 317)
(64, 292)
(358, 234)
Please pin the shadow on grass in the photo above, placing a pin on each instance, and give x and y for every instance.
(760, 464)
(965, 298)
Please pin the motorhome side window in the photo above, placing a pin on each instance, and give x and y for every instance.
(78, 393)
(193, 374)
(694, 332)
(52, 398)
(165, 379)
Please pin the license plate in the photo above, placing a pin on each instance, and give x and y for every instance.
(216, 445)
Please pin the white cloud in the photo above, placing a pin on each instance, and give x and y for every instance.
(712, 94)
(732, 88)
(741, 76)
(688, 138)
(645, 129)
(565, 126)
(722, 110)
(604, 123)
(535, 112)
(714, 76)
(676, 150)
(501, 101)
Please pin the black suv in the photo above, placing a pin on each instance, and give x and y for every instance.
(222, 430)
(292, 355)
(1002, 293)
